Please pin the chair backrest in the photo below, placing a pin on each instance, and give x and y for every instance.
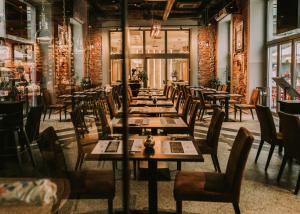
(11, 115)
(178, 101)
(266, 121)
(117, 97)
(202, 100)
(47, 97)
(32, 125)
(173, 95)
(290, 127)
(192, 117)
(237, 161)
(185, 108)
(165, 89)
(111, 106)
(105, 128)
(254, 97)
(169, 93)
(52, 153)
(214, 128)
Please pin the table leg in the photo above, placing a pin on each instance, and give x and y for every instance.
(214, 100)
(152, 186)
(226, 108)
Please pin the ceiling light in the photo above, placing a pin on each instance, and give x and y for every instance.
(155, 29)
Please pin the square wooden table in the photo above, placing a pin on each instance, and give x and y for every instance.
(162, 152)
(151, 103)
(153, 110)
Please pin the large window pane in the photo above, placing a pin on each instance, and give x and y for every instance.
(156, 72)
(285, 64)
(297, 71)
(155, 44)
(272, 69)
(136, 42)
(178, 41)
(136, 66)
(115, 42)
(116, 70)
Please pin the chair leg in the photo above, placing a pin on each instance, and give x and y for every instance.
(27, 144)
(110, 206)
(297, 185)
(59, 115)
(214, 162)
(236, 208)
(269, 156)
(235, 110)
(252, 113)
(78, 161)
(241, 115)
(45, 112)
(281, 168)
(178, 207)
(259, 150)
(217, 163)
(50, 111)
(179, 165)
(202, 114)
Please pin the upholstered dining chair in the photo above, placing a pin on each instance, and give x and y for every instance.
(290, 125)
(216, 187)
(185, 108)
(209, 145)
(89, 184)
(268, 132)
(249, 106)
(33, 120)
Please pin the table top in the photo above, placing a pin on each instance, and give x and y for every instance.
(150, 122)
(147, 97)
(153, 93)
(152, 110)
(150, 103)
(225, 95)
(165, 149)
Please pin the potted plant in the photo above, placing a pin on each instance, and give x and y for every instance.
(142, 76)
(213, 81)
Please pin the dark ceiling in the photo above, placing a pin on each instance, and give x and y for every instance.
(156, 9)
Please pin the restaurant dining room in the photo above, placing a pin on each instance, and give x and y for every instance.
(149, 106)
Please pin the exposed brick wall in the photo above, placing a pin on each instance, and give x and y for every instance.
(207, 39)
(239, 77)
(94, 65)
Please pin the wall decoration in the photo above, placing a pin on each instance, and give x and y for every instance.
(239, 40)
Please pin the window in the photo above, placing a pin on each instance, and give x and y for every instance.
(115, 42)
(178, 41)
(156, 44)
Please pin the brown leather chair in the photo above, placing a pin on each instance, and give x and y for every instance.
(48, 105)
(209, 145)
(249, 106)
(91, 184)
(290, 125)
(267, 132)
(185, 109)
(216, 187)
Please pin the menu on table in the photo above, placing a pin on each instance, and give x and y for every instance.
(178, 147)
(115, 146)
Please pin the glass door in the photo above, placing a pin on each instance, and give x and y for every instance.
(297, 66)
(178, 70)
(156, 72)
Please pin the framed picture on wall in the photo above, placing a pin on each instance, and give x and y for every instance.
(239, 40)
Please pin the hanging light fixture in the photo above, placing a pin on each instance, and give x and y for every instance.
(155, 29)
(64, 32)
(43, 34)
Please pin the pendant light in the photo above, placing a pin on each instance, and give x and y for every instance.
(43, 34)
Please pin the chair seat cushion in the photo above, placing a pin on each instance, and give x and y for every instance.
(93, 183)
(244, 106)
(201, 186)
(203, 146)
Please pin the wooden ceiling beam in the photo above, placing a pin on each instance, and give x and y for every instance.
(168, 9)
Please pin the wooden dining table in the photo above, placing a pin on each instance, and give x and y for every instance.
(226, 98)
(153, 123)
(165, 149)
(151, 103)
(153, 110)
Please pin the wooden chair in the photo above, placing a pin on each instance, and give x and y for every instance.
(85, 144)
(185, 109)
(216, 187)
(48, 105)
(290, 125)
(250, 106)
(209, 145)
(204, 106)
(267, 132)
(90, 184)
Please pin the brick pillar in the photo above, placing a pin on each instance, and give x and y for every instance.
(207, 39)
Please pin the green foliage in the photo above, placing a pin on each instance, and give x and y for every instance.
(213, 81)
(142, 76)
